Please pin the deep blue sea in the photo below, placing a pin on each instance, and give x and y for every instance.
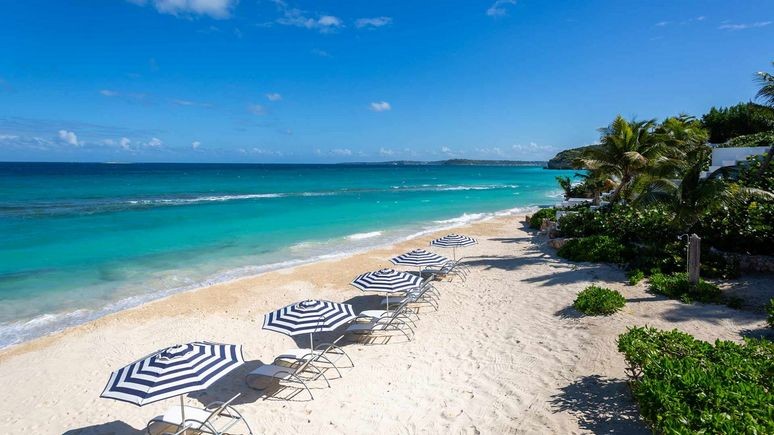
(78, 241)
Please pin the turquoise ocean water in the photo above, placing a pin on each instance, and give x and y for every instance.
(78, 241)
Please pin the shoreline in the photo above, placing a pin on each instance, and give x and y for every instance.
(232, 276)
(504, 353)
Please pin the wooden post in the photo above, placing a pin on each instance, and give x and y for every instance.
(694, 260)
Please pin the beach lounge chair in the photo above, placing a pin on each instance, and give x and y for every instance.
(383, 327)
(295, 374)
(453, 268)
(217, 418)
(425, 295)
(402, 310)
(324, 354)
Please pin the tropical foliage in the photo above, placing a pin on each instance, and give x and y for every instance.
(598, 301)
(726, 123)
(676, 286)
(684, 385)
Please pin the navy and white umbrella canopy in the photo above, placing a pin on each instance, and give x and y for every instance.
(173, 371)
(454, 241)
(420, 258)
(308, 317)
(387, 281)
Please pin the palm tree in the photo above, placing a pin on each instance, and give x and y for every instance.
(626, 149)
(692, 197)
(766, 93)
(683, 132)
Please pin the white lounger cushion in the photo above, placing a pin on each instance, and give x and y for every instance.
(299, 354)
(173, 415)
(376, 313)
(271, 370)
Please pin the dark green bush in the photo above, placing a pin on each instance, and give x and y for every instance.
(676, 286)
(581, 223)
(761, 139)
(659, 257)
(770, 312)
(598, 301)
(537, 218)
(683, 385)
(628, 224)
(742, 119)
(635, 276)
(594, 249)
(746, 229)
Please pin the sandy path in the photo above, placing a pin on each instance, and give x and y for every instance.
(503, 354)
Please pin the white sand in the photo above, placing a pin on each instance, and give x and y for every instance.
(504, 354)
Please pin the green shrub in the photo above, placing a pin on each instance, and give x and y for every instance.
(760, 139)
(659, 257)
(536, 220)
(770, 312)
(598, 301)
(594, 249)
(676, 286)
(683, 385)
(742, 119)
(635, 276)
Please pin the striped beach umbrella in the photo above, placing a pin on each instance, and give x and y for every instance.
(387, 281)
(420, 258)
(454, 241)
(308, 317)
(173, 371)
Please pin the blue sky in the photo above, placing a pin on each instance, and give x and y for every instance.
(353, 80)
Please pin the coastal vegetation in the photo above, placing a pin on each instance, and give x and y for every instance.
(599, 301)
(658, 192)
(677, 286)
(684, 385)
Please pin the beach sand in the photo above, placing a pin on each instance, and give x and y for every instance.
(505, 353)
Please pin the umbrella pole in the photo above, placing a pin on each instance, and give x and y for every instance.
(454, 253)
(311, 341)
(182, 415)
(388, 302)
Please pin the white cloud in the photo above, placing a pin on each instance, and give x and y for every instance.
(273, 96)
(8, 137)
(380, 106)
(662, 23)
(69, 137)
(108, 93)
(256, 109)
(498, 8)
(125, 143)
(191, 103)
(494, 151)
(320, 53)
(300, 18)
(341, 152)
(386, 152)
(219, 9)
(372, 22)
(257, 151)
(154, 142)
(744, 26)
(195, 144)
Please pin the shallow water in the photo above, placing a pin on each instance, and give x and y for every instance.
(78, 241)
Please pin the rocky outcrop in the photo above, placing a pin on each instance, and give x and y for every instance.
(566, 158)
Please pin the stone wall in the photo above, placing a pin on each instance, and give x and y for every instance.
(750, 263)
